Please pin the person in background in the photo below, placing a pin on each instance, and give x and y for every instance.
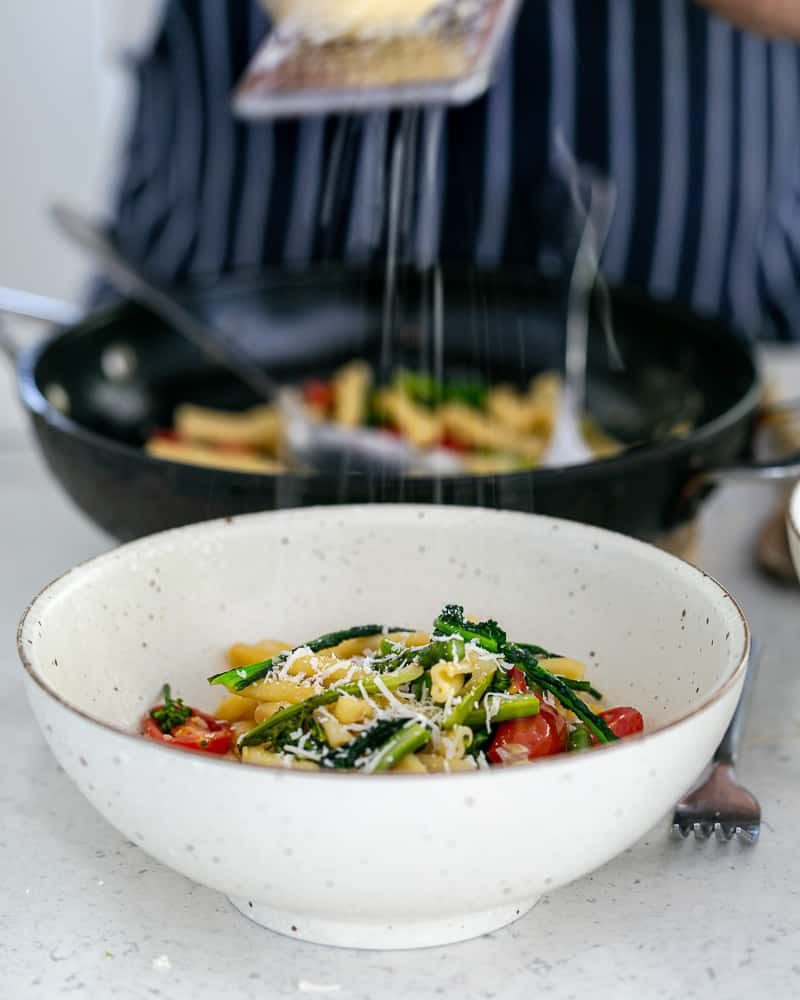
(692, 109)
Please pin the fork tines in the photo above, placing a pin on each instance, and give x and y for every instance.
(724, 831)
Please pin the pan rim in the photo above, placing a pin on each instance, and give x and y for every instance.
(37, 403)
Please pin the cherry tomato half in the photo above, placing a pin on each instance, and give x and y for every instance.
(200, 732)
(541, 735)
(518, 683)
(318, 393)
(623, 721)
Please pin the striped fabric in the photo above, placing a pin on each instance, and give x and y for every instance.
(696, 122)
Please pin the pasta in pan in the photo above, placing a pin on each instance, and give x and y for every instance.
(374, 698)
(495, 430)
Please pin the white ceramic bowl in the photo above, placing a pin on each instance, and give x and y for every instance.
(387, 861)
(793, 526)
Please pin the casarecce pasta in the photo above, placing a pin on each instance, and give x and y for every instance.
(375, 698)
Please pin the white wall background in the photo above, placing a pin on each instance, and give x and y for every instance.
(62, 114)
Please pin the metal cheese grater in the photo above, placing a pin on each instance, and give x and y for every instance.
(448, 60)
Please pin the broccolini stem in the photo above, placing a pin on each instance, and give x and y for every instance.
(451, 650)
(241, 677)
(537, 650)
(412, 737)
(471, 694)
(579, 739)
(352, 754)
(581, 686)
(515, 706)
(395, 654)
(556, 686)
(303, 709)
(331, 639)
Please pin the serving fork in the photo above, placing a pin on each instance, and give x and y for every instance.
(721, 805)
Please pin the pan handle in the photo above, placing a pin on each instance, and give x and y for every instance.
(775, 470)
(54, 312)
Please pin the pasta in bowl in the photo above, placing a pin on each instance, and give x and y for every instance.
(378, 860)
(376, 699)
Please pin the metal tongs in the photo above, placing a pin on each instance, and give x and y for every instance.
(448, 59)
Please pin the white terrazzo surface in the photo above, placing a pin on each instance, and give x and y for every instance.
(85, 914)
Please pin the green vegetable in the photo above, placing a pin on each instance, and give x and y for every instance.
(579, 739)
(471, 694)
(241, 677)
(558, 687)
(480, 739)
(381, 746)
(430, 391)
(541, 652)
(421, 686)
(428, 655)
(487, 634)
(331, 639)
(581, 686)
(538, 651)
(450, 650)
(501, 681)
(395, 655)
(412, 737)
(516, 706)
(171, 714)
(277, 727)
(317, 734)
(389, 647)
(350, 755)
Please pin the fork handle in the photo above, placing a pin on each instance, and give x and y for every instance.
(728, 750)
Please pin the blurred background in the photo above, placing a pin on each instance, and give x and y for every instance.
(696, 252)
(66, 66)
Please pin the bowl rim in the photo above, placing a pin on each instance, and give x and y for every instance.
(793, 513)
(556, 760)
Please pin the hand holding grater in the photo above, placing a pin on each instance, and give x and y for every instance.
(304, 68)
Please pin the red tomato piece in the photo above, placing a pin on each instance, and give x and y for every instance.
(316, 392)
(623, 721)
(518, 683)
(168, 435)
(448, 441)
(200, 732)
(541, 735)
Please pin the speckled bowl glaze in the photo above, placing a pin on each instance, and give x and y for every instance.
(382, 861)
(793, 526)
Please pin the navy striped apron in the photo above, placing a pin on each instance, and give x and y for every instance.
(696, 123)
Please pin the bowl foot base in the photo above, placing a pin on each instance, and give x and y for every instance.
(374, 934)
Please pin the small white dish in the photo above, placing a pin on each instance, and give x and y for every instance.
(380, 861)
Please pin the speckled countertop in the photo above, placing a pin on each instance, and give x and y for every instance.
(86, 914)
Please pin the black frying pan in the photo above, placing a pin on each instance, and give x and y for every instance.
(96, 390)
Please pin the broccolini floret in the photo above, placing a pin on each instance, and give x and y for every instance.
(171, 714)
(487, 634)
